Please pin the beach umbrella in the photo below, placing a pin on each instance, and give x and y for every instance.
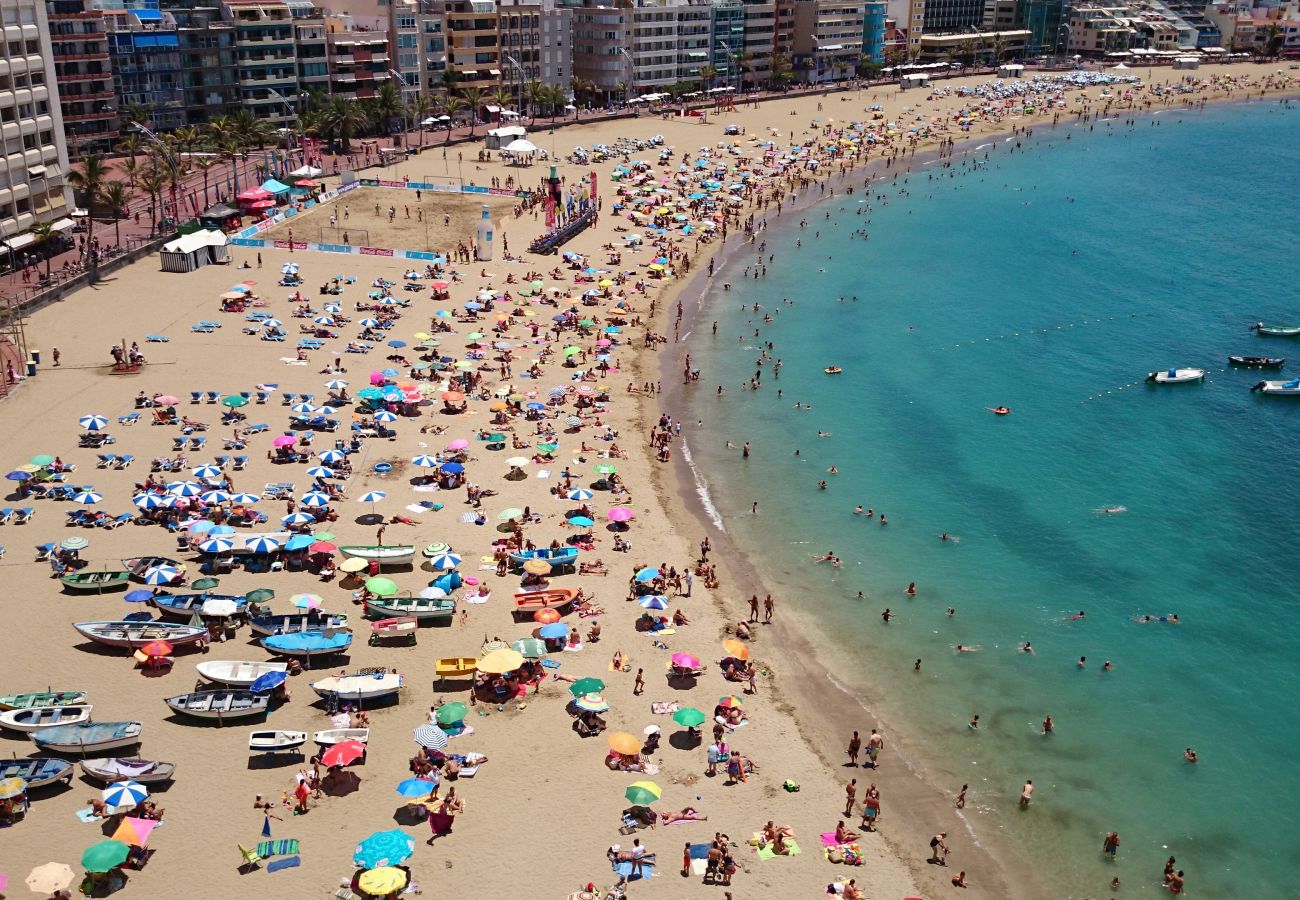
(604, 469)
(166, 400)
(382, 881)
(730, 702)
(452, 468)
(74, 543)
(498, 662)
(320, 472)
(135, 831)
(161, 574)
(206, 584)
(512, 512)
(298, 542)
(546, 616)
(425, 461)
(642, 793)
(262, 544)
(41, 460)
(298, 518)
(537, 567)
(517, 462)
(260, 595)
(93, 422)
(685, 661)
(381, 587)
(591, 703)
(371, 497)
(553, 632)
(620, 514)
(431, 737)
(647, 574)
(581, 522)
(323, 547)
(432, 592)
(584, 686)
(689, 717)
(307, 601)
(284, 440)
(458, 444)
(625, 743)
(414, 788)
(217, 545)
(736, 648)
(18, 476)
(445, 561)
(185, 488)
(368, 323)
(303, 409)
(353, 565)
(452, 713)
(325, 320)
(12, 787)
(234, 401)
(653, 601)
(529, 648)
(268, 682)
(244, 498)
(153, 501)
(580, 494)
(219, 606)
(49, 878)
(332, 456)
(289, 268)
(86, 498)
(314, 499)
(157, 648)
(125, 793)
(343, 753)
(573, 422)
(336, 384)
(138, 596)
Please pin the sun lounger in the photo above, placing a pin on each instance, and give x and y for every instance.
(43, 552)
(201, 329)
(210, 324)
(24, 515)
(262, 396)
(196, 396)
(120, 521)
(287, 398)
(257, 429)
(196, 443)
(105, 460)
(251, 859)
(214, 396)
(157, 338)
(5, 515)
(272, 336)
(123, 461)
(128, 419)
(178, 443)
(240, 462)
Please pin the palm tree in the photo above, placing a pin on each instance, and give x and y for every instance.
(134, 114)
(454, 105)
(153, 181)
(781, 69)
(708, 73)
(473, 102)
(129, 166)
(88, 179)
(621, 89)
(387, 105)
(203, 164)
(250, 130)
(501, 98)
(342, 118)
(966, 49)
(999, 47)
(418, 110)
(1272, 40)
(42, 232)
(745, 63)
(449, 79)
(556, 98)
(536, 92)
(115, 196)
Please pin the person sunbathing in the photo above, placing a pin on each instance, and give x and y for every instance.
(688, 814)
(617, 854)
(596, 568)
(844, 835)
(773, 833)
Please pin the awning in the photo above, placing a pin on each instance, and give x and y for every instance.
(494, 71)
(274, 187)
(36, 172)
(470, 73)
(63, 224)
(19, 242)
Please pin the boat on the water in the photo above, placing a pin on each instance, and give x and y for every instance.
(37, 772)
(1276, 330)
(384, 554)
(1258, 362)
(559, 559)
(95, 582)
(306, 644)
(123, 768)
(1278, 388)
(237, 672)
(137, 634)
(1176, 376)
(183, 606)
(331, 736)
(422, 608)
(296, 623)
(43, 698)
(35, 718)
(832, 370)
(276, 741)
(220, 705)
(87, 737)
(359, 687)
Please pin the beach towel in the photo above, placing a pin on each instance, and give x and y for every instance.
(572, 648)
(282, 847)
(664, 707)
(699, 851)
(624, 870)
(765, 852)
(699, 866)
(87, 815)
(289, 862)
(828, 839)
(550, 664)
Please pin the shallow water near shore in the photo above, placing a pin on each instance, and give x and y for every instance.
(1050, 282)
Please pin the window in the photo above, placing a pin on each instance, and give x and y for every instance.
(405, 21)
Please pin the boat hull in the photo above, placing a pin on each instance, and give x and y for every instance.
(290, 623)
(238, 673)
(38, 718)
(136, 634)
(384, 555)
(276, 741)
(43, 698)
(417, 607)
(558, 560)
(1258, 362)
(359, 687)
(307, 645)
(37, 773)
(95, 582)
(1277, 388)
(220, 705)
(455, 666)
(1278, 330)
(1176, 376)
(88, 738)
(182, 606)
(110, 769)
(331, 736)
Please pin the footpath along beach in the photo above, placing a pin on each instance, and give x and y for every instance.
(545, 806)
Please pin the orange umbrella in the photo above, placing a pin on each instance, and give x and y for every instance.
(622, 742)
(452, 396)
(546, 616)
(736, 648)
(537, 567)
(157, 648)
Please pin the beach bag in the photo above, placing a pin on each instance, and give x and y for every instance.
(835, 855)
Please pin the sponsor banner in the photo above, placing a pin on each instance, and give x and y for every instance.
(287, 245)
(376, 251)
(331, 248)
(247, 242)
(421, 255)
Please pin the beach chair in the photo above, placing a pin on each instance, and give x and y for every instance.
(214, 396)
(5, 515)
(156, 338)
(117, 521)
(196, 443)
(178, 443)
(196, 396)
(251, 859)
(286, 398)
(210, 324)
(240, 463)
(105, 460)
(43, 552)
(276, 336)
(24, 515)
(262, 396)
(123, 461)
(200, 328)
(257, 429)
(128, 419)
(221, 461)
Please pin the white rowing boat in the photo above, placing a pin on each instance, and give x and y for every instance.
(238, 672)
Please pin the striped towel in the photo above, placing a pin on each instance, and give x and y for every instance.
(283, 847)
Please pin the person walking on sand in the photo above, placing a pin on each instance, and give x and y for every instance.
(939, 849)
(639, 685)
(874, 745)
(850, 795)
(753, 608)
(855, 745)
(1027, 793)
(768, 605)
(960, 800)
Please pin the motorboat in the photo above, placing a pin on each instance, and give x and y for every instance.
(220, 705)
(276, 741)
(95, 582)
(1258, 362)
(37, 772)
(455, 666)
(238, 673)
(122, 768)
(832, 370)
(137, 634)
(35, 718)
(359, 687)
(1278, 388)
(306, 644)
(384, 554)
(331, 736)
(183, 606)
(1176, 376)
(529, 602)
(87, 737)
(43, 698)
(1276, 330)
(296, 623)
(422, 608)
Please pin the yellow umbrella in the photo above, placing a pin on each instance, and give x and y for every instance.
(498, 406)
(28, 467)
(381, 881)
(625, 743)
(422, 336)
(537, 566)
(736, 648)
(605, 282)
(498, 662)
(353, 565)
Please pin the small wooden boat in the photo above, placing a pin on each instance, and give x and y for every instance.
(402, 628)
(276, 741)
(183, 606)
(1278, 388)
(1276, 330)
(95, 582)
(1258, 362)
(552, 598)
(426, 610)
(43, 698)
(137, 634)
(220, 705)
(384, 554)
(832, 370)
(296, 623)
(123, 768)
(331, 736)
(136, 566)
(238, 673)
(35, 718)
(307, 644)
(88, 737)
(1176, 376)
(563, 558)
(37, 772)
(455, 666)
(359, 687)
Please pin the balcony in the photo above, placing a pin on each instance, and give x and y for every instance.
(88, 96)
(107, 115)
(85, 76)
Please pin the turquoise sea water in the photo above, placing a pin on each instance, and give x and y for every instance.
(997, 288)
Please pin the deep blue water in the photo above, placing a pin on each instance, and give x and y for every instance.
(1050, 281)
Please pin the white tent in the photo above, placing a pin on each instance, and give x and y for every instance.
(305, 172)
(1011, 70)
(192, 251)
(521, 145)
(499, 137)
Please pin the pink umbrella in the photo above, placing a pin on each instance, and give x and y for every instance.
(586, 390)
(440, 285)
(604, 342)
(284, 440)
(377, 379)
(685, 661)
(458, 444)
(166, 400)
(620, 514)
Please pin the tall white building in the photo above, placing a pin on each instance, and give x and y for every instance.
(33, 173)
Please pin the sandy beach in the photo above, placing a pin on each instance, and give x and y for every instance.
(541, 812)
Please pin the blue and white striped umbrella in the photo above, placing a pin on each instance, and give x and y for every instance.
(160, 574)
(425, 461)
(153, 501)
(431, 737)
(446, 560)
(335, 384)
(206, 472)
(125, 794)
(93, 422)
(185, 489)
(315, 500)
(303, 409)
(297, 519)
(371, 497)
(272, 323)
(215, 497)
(385, 416)
(368, 323)
(654, 601)
(244, 498)
(324, 320)
(320, 472)
(217, 545)
(331, 456)
(325, 410)
(289, 268)
(580, 494)
(87, 497)
(263, 545)
(332, 308)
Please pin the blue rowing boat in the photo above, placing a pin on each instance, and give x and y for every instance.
(307, 644)
(563, 558)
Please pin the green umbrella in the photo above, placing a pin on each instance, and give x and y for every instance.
(104, 856)
(584, 686)
(260, 595)
(604, 469)
(324, 535)
(234, 401)
(205, 584)
(512, 513)
(451, 713)
(529, 648)
(586, 323)
(643, 793)
(381, 587)
(689, 717)
(43, 459)
(548, 448)
(475, 336)
(572, 351)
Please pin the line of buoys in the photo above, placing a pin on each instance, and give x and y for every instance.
(1033, 332)
(1133, 384)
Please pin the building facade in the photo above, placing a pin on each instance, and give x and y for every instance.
(473, 53)
(827, 39)
(873, 30)
(144, 46)
(209, 77)
(266, 57)
(83, 66)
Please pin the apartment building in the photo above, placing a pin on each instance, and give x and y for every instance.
(727, 42)
(209, 77)
(827, 39)
(311, 57)
(473, 53)
(144, 48)
(1094, 31)
(358, 56)
(33, 186)
(873, 30)
(266, 57)
(602, 55)
(941, 17)
(83, 67)
(557, 46)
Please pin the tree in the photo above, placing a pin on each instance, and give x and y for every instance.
(341, 119)
(153, 181)
(473, 102)
(557, 99)
(133, 114)
(621, 88)
(418, 110)
(203, 164)
(781, 70)
(450, 77)
(966, 49)
(999, 47)
(1272, 40)
(42, 232)
(388, 106)
(251, 131)
(501, 98)
(115, 196)
(454, 106)
(129, 166)
(745, 63)
(537, 95)
(708, 73)
(88, 179)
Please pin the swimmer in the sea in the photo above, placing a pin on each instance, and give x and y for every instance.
(858, 510)
(1026, 647)
(965, 648)
(1075, 617)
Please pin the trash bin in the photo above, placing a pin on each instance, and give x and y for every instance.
(36, 357)
(31, 368)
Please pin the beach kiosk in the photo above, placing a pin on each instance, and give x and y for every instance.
(195, 250)
(914, 80)
(1011, 70)
(1187, 62)
(497, 138)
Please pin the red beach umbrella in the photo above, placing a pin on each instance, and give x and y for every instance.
(343, 753)
(157, 648)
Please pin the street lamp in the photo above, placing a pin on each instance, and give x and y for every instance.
(631, 74)
(519, 95)
(735, 61)
(168, 156)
